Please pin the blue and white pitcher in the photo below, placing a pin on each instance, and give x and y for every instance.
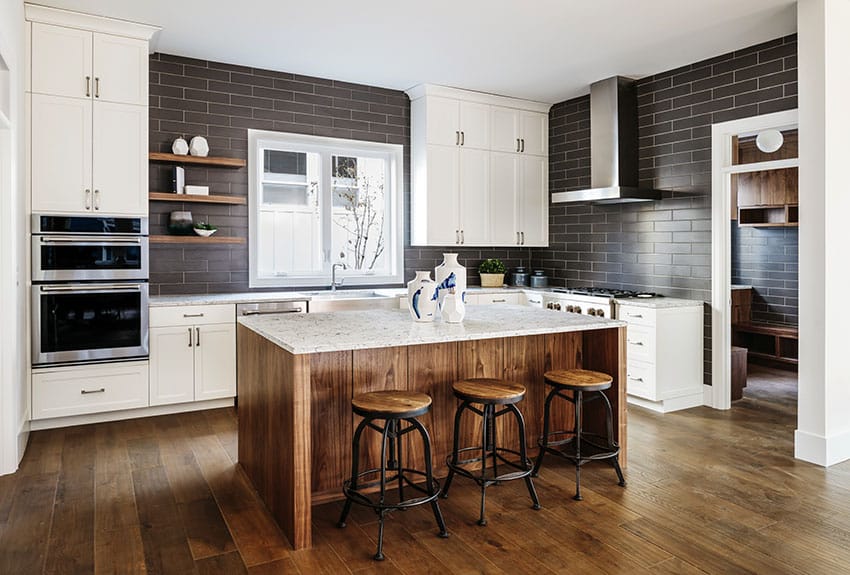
(422, 297)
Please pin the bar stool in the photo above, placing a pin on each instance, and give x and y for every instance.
(489, 393)
(579, 381)
(393, 408)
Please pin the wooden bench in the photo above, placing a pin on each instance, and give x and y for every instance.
(739, 372)
(777, 344)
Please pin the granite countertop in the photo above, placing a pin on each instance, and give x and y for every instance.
(250, 297)
(348, 330)
(659, 302)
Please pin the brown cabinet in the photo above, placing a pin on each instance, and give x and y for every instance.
(766, 198)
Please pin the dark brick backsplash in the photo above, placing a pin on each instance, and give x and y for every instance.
(219, 101)
(662, 246)
(766, 258)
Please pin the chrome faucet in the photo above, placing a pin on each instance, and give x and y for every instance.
(334, 285)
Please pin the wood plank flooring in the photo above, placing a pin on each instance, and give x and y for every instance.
(709, 492)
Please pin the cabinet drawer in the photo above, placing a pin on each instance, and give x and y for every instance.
(641, 343)
(192, 315)
(641, 380)
(498, 298)
(76, 390)
(636, 315)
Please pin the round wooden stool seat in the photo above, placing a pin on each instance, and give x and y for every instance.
(489, 390)
(391, 404)
(578, 379)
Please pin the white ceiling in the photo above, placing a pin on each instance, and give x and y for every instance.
(546, 50)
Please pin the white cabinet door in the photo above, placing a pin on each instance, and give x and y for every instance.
(120, 70)
(533, 200)
(504, 129)
(442, 203)
(61, 156)
(215, 361)
(172, 371)
(475, 125)
(120, 173)
(442, 121)
(534, 131)
(61, 61)
(504, 180)
(474, 186)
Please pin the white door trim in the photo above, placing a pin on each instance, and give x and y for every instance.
(721, 268)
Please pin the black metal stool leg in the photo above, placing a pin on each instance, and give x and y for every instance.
(390, 423)
(399, 458)
(455, 448)
(544, 441)
(615, 461)
(524, 456)
(429, 476)
(485, 430)
(578, 428)
(355, 468)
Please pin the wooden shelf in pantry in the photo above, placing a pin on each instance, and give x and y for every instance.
(197, 160)
(172, 197)
(195, 240)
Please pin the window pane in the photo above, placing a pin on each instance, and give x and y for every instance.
(288, 194)
(359, 234)
(280, 162)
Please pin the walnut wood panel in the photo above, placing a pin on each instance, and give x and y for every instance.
(192, 199)
(195, 240)
(525, 363)
(197, 160)
(562, 351)
(432, 369)
(605, 350)
(742, 301)
(331, 387)
(767, 187)
(274, 430)
(374, 370)
(480, 358)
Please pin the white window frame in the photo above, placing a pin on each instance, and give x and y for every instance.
(394, 155)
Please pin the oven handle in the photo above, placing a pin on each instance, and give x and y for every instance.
(93, 287)
(92, 239)
(257, 312)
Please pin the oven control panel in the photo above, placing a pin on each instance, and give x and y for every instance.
(575, 304)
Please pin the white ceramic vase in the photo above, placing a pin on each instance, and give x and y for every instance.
(450, 274)
(198, 146)
(179, 147)
(422, 297)
(453, 309)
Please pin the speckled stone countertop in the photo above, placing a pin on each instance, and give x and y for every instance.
(659, 302)
(349, 330)
(249, 297)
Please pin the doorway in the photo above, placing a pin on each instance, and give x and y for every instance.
(750, 191)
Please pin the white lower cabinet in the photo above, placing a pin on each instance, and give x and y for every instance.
(192, 354)
(512, 298)
(664, 356)
(83, 389)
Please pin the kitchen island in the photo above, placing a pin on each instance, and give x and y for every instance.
(298, 373)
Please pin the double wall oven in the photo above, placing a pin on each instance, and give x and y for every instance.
(90, 289)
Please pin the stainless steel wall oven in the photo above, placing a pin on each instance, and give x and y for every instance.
(90, 289)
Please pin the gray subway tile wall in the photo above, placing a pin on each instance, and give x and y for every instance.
(221, 102)
(662, 246)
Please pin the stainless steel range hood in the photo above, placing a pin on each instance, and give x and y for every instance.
(613, 147)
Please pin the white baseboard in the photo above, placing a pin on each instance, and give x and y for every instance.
(668, 405)
(823, 451)
(36, 425)
(708, 395)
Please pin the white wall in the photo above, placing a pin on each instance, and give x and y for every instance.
(13, 346)
(823, 428)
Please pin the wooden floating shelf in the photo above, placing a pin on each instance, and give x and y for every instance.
(171, 197)
(195, 240)
(197, 160)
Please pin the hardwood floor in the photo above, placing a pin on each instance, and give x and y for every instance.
(709, 492)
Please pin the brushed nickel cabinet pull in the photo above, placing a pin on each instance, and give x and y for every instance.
(197, 337)
(88, 199)
(635, 342)
(457, 236)
(499, 301)
(193, 315)
(96, 87)
(97, 199)
(457, 138)
(88, 391)
(638, 379)
(517, 144)
(462, 137)
(522, 235)
(190, 337)
(462, 239)
(635, 315)
(88, 86)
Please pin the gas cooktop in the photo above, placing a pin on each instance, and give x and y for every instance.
(604, 292)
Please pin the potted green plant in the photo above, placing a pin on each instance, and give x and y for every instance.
(204, 229)
(492, 272)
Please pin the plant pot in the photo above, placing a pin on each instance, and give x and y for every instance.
(492, 280)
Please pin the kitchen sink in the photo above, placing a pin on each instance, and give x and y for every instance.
(349, 300)
(347, 294)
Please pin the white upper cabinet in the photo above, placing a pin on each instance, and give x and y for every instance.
(120, 70)
(451, 122)
(480, 169)
(88, 137)
(82, 64)
(61, 61)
